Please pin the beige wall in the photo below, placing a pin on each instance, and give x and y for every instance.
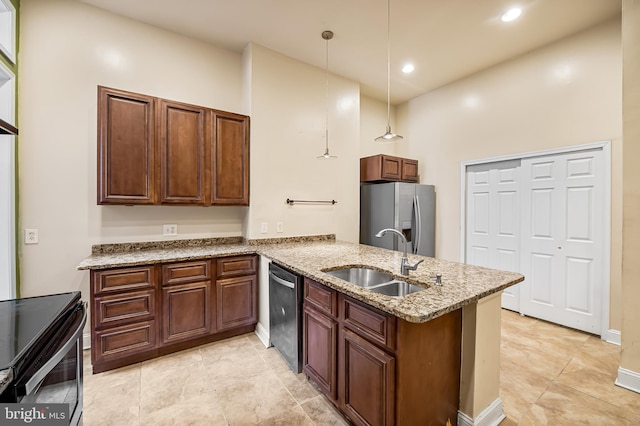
(373, 121)
(567, 93)
(480, 371)
(630, 359)
(288, 111)
(69, 48)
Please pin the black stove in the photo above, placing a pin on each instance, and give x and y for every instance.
(41, 352)
(25, 322)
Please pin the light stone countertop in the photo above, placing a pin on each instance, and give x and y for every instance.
(461, 284)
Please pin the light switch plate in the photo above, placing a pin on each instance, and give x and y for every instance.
(264, 227)
(279, 227)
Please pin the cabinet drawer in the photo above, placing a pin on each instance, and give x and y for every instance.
(119, 342)
(369, 322)
(321, 297)
(117, 309)
(117, 280)
(178, 273)
(235, 266)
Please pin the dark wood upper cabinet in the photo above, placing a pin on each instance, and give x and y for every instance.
(183, 138)
(387, 168)
(230, 159)
(126, 147)
(157, 151)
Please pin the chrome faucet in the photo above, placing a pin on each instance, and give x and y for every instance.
(405, 266)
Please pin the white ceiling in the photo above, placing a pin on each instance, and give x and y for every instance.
(445, 39)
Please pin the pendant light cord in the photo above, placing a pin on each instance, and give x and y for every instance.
(388, 65)
(326, 35)
(326, 86)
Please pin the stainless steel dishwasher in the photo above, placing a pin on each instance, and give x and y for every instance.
(285, 314)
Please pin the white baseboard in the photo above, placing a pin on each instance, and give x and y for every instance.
(490, 416)
(612, 336)
(628, 379)
(86, 340)
(263, 335)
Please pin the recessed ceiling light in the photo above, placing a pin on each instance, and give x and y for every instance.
(511, 14)
(408, 68)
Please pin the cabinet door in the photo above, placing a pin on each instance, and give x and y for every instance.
(319, 350)
(236, 302)
(409, 170)
(230, 159)
(367, 381)
(126, 147)
(186, 311)
(391, 168)
(183, 137)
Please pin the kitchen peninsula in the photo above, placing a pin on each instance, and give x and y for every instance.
(407, 348)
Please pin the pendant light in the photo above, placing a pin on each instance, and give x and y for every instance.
(327, 35)
(389, 136)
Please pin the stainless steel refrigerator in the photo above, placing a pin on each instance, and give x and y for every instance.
(408, 207)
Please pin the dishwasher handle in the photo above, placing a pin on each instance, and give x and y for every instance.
(279, 280)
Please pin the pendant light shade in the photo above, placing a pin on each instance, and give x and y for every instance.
(327, 35)
(388, 136)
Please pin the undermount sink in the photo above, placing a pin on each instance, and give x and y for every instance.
(363, 277)
(376, 281)
(397, 288)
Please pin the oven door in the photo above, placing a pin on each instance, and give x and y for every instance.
(59, 378)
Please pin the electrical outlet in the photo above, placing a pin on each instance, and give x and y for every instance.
(31, 236)
(169, 230)
(264, 227)
(279, 227)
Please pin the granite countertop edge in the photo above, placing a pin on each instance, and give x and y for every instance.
(312, 256)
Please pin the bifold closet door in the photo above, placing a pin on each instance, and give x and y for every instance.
(563, 233)
(493, 221)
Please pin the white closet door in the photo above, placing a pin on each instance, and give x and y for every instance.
(563, 239)
(493, 221)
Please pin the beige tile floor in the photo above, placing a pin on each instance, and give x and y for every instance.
(557, 376)
(549, 375)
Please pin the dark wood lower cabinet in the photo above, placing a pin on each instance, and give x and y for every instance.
(142, 312)
(367, 381)
(117, 342)
(320, 334)
(236, 302)
(186, 311)
(388, 371)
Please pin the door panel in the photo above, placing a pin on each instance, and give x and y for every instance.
(543, 217)
(493, 220)
(541, 278)
(563, 236)
(579, 283)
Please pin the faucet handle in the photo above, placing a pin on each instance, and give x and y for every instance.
(415, 265)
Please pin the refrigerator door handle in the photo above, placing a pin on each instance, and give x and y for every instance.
(416, 209)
